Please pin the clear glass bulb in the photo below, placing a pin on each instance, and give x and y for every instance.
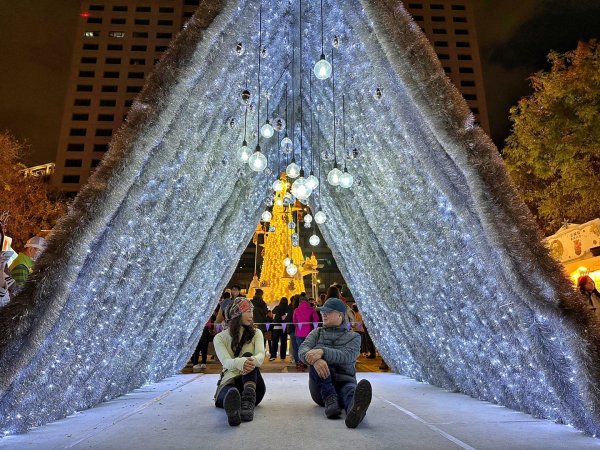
(300, 189)
(287, 261)
(291, 269)
(314, 240)
(308, 218)
(258, 161)
(279, 202)
(322, 69)
(245, 152)
(292, 170)
(266, 216)
(267, 131)
(312, 182)
(277, 185)
(287, 146)
(320, 217)
(346, 180)
(333, 177)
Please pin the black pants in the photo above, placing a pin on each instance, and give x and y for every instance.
(202, 347)
(238, 383)
(321, 388)
(279, 336)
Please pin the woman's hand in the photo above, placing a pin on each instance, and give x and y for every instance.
(322, 368)
(249, 365)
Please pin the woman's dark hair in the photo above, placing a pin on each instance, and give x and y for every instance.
(226, 295)
(234, 330)
(333, 292)
(283, 301)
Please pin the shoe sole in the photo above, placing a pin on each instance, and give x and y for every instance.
(233, 406)
(360, 404)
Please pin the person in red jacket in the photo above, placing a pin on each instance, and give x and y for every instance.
(304, 318)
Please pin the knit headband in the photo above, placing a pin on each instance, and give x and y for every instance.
(238, 306)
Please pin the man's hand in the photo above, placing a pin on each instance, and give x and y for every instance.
(313, 355)
(249, 365)
(322, 368)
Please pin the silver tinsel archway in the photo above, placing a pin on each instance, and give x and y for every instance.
(444, 259)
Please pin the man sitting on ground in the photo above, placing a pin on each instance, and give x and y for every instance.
(331, 353)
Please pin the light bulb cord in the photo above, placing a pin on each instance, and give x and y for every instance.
(259, 58)
(344, 129)
(334, 115)
(300, 97)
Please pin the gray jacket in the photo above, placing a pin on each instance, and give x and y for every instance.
(340, 347)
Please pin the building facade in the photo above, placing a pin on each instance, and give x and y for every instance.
(118, 43)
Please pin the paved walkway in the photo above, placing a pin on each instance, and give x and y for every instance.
(178, 413)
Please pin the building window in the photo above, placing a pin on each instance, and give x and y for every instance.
(87, 74)
(128, 103)
(139, 48)
(440, 43)
(470, 96)
(475, 110)
(104, 132)
(77, 132)
(91, 34)
(108, 103)
(443, 56)
(101, 148)
(94, 20)
(156, 61)
(114, 47)
(84, 88)
(466, 70)
(73, 179)
(146, 9)
(96, 8)
(161, 48)
(88, 60)
(75, 147)
(188, 14)
(135, 75)
(164, 35)
(439, 31)
(96, 162)
(459, 19)
(438, 19)
(142, 21)
(106, 117)
(90, 46)
(118, 21)
(465, 57)
(447, 70)
(140, 34)
(120, 8)
(111, 74)
(116, 34)
(112, 60)
(137, 61)
(458, 7)
(415, 5)
(191, 2)
(166, 10)
(437, 6)
(134, 89)
(79, 117)
(467, 83)
(82, 102)
(110, 88)
(165, 23)
(418, 18)
(73, 163)
(461, 32)
(463, 44)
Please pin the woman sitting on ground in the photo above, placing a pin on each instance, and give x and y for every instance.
(240, 349)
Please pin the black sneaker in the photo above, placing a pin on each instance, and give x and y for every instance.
(233, 406)
(332, 407)
(360, 404)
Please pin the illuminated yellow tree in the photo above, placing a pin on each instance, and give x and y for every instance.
(277, 246)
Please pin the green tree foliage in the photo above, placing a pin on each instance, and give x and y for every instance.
(26, 199)
(553, 152)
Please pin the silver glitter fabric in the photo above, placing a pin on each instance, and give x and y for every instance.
(443, 258)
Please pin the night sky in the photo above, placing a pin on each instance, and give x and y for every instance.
(37, 37)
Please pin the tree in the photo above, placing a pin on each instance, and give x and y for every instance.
(553, 152)
(26, 199)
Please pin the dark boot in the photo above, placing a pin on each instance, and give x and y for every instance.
(232, 404)
(332, 407)
(248, 402)
(360, 404)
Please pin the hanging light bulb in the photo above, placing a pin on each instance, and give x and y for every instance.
(314, 240)
(266, 216)
(306, 225)
(267, 131)
(291, 269)
(334, 175)
(300, 189)
(277, 185)
(346, 180)
(258, 161)
(287, 146)
(320, 217)
(322, 68)
(292, 170)
(287, 261)
(279, 124)
(308, 218)
(245, 152)
(312, 182)
(279, 202)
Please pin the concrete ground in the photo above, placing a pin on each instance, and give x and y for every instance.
(178, 413)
